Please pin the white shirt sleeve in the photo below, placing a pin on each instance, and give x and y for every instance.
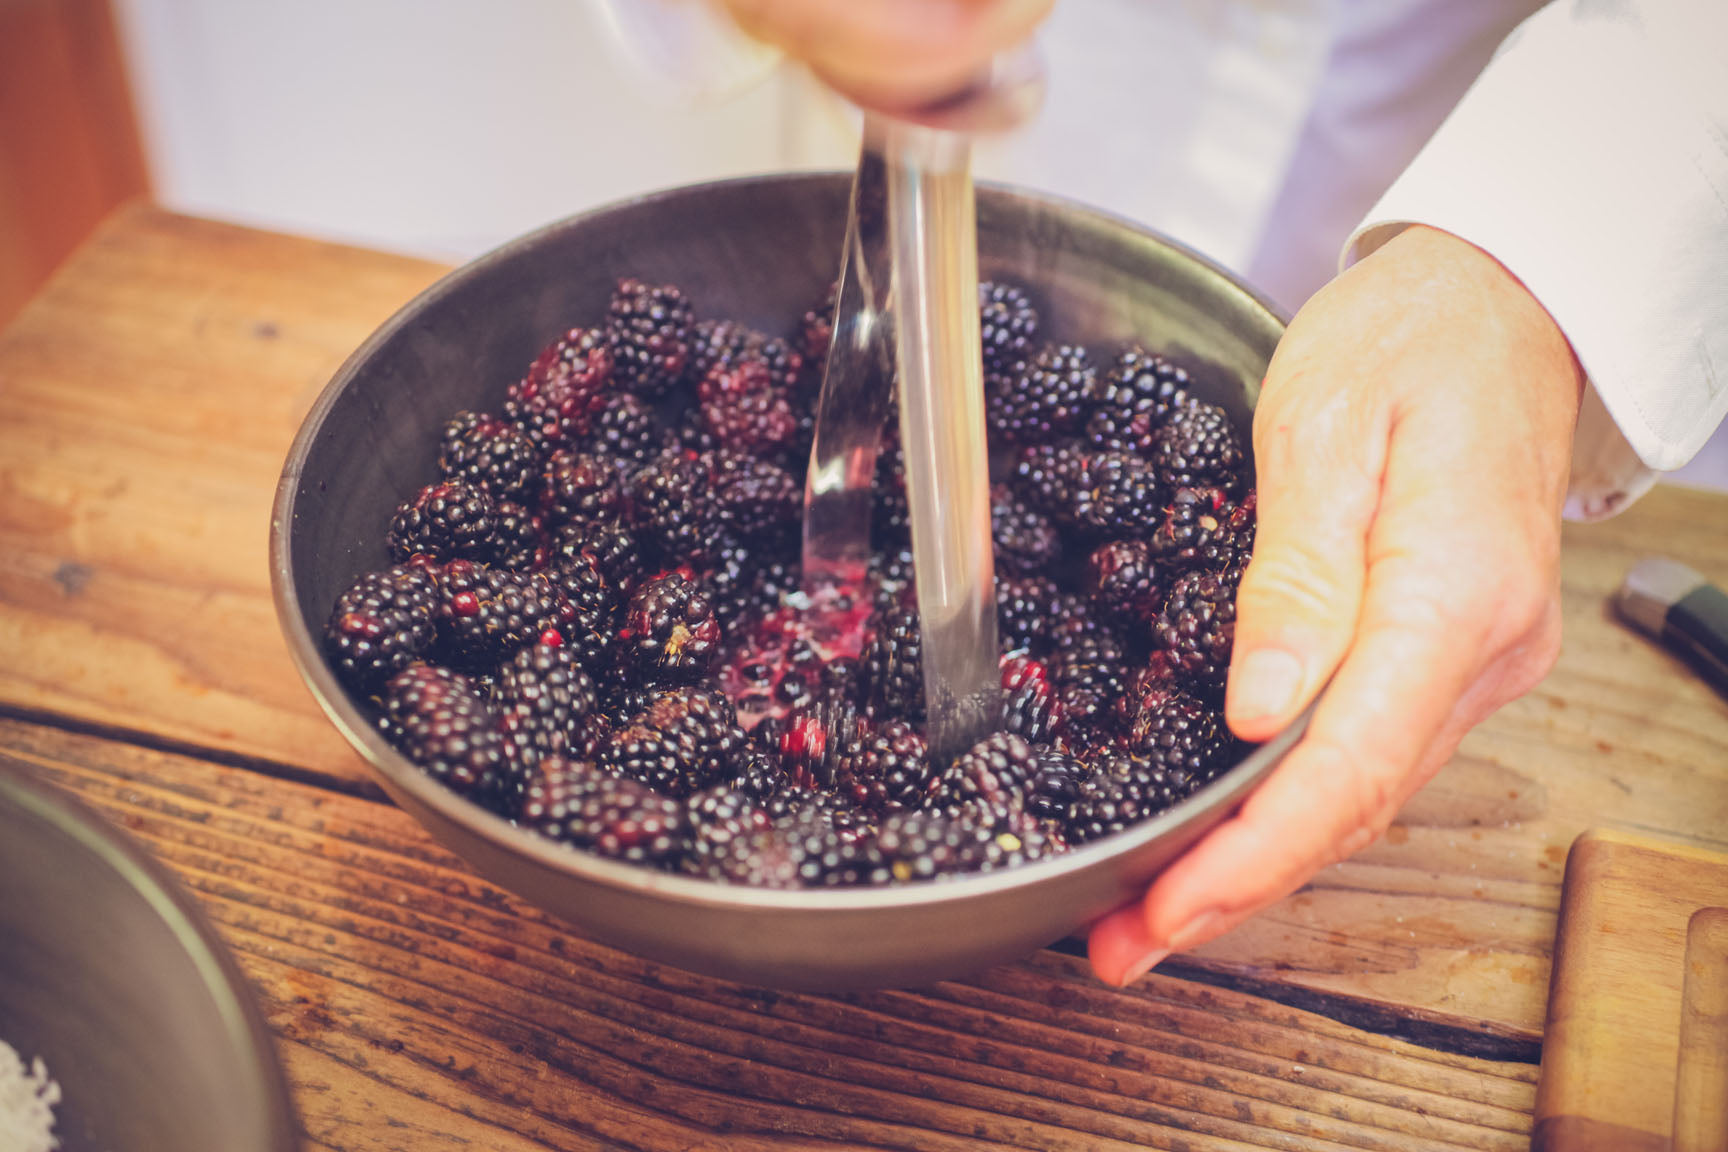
(1591, 159)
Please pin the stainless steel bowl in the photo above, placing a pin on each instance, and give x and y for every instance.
(758, 250)
(112, 976)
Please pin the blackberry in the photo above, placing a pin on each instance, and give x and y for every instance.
(822, 742)
(519, 539)
(669, 629)
(1023, 608)
(625, 429)
(1047, 398)
(1153, 680)
(450, 520)
(1086, 668)
(891, 511)
(743, 407)
(480, 449)
(485, 614)
(725, 343)
(541, 695)
(1047, 476)
(1120, 793)
(574, 803)
(1198, 528)
(668, 509)
(1031, 707)
(438, 719)
(1007, 324)
(380, 624)
(1177, 732)
(650, 328)
(891, 773)
(920, 846)
(1199, 447)
(724, 824)
(555, 401)
(816, 329)
(893, 663)
(755, 497)
(1122, 578)
(608, 544)
(827, 851)
(992, 775)
(1054, 784)
(685, 740)
(1116, 492)
(1025, 539)
(1197, 627)
(593, 598)
(1133, 400)
(580, 487)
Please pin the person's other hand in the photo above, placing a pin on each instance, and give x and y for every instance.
(1412, 443)
(892, 54)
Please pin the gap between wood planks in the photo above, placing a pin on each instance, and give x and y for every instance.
(1408, 1025)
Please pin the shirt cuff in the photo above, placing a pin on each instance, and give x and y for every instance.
(1589, 159)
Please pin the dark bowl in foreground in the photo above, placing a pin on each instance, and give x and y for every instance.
(110, 974)
(758, 250)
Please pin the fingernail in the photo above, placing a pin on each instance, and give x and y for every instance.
(1199, 929)
(1265, 684)
(1144, 965)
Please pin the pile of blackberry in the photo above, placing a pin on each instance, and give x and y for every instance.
(591, 622)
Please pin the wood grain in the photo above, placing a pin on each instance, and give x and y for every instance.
(1635, 1028)
(417, 1006)
(147, 401)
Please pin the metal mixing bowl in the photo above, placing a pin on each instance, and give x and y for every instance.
(112, 976)
(757, 250)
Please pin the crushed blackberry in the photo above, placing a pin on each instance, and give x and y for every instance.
(1199, 447)
(1133, 400)
(484, 450)
(669, 629)
(1008, 326)
(450, 520)
(380, 624)
(1047, 399)
(440, 721)
(555, 401)
(650, 328)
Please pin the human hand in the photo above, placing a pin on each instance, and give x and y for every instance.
(892, 55)
(1412, 443)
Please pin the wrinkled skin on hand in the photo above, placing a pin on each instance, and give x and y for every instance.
(1412, 443)
(892, 55)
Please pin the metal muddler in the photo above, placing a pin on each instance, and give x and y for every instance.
(907, 311)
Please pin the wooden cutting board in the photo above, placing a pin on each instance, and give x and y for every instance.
(1635, 1054)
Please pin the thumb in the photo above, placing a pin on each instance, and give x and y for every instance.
(1319, 456)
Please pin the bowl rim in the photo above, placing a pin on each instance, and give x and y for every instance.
(236, 1000)
(402, 778)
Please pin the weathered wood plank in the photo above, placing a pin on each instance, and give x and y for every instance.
(416, 1005)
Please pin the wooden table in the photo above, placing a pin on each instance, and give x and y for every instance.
(147, 399)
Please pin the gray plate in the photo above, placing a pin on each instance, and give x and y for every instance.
(758, 250)
(110, 973)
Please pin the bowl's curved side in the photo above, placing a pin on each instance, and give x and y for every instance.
(760, 250)
(111, 973)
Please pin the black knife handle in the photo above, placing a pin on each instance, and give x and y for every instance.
(1697, 626)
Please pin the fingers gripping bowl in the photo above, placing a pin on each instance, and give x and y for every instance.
(759, 252)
